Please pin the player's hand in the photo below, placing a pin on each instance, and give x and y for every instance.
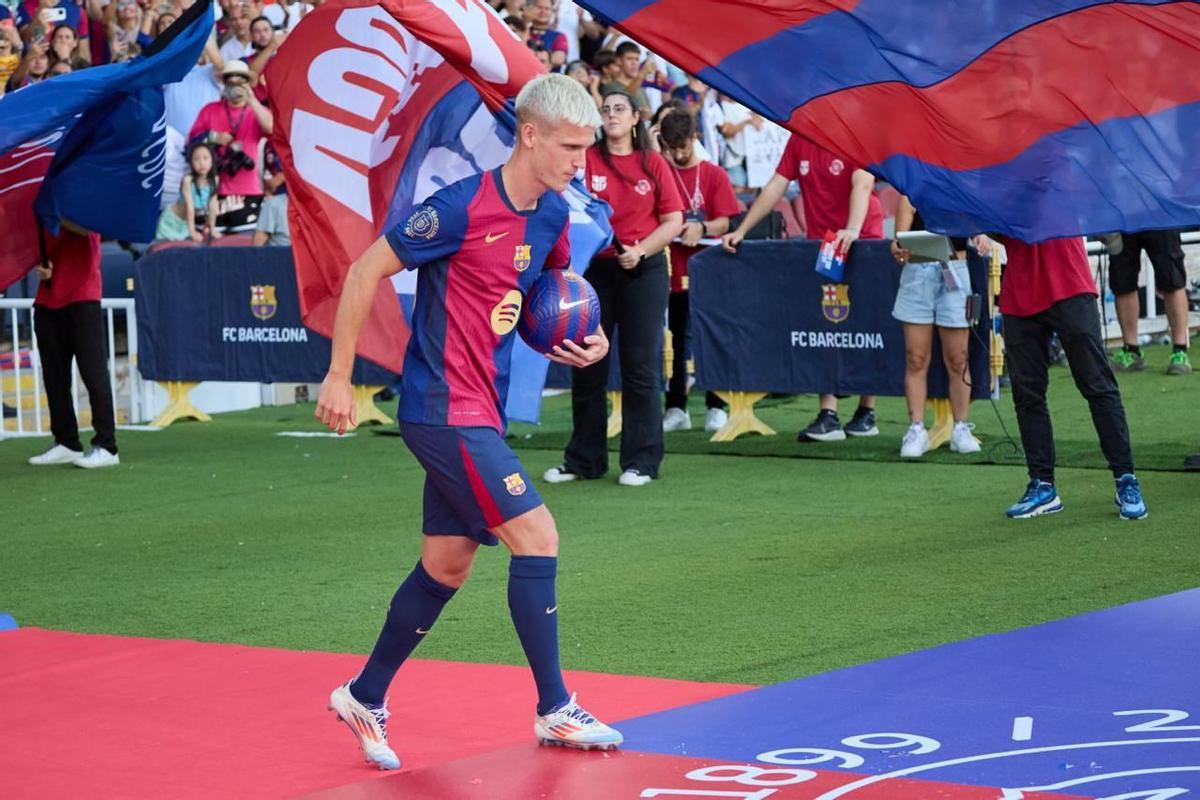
(335, 404)
(983, 245)
(901, 254)
(845, 237)
(730, 241)
(573, 355)
(692, 233)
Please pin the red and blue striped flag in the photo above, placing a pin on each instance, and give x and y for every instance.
(1032, 118)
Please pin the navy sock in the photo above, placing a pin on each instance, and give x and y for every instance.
(534, 609)
(414, 609)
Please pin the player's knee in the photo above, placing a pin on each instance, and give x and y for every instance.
(531, 534)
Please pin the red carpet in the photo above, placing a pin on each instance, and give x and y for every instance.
(108, 716)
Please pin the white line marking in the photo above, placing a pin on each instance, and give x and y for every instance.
(842, 791)
(1022, 729)
(1019, 794)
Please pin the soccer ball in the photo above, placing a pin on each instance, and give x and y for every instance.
(559, 306)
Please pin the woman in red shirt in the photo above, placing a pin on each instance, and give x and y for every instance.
(630, 277)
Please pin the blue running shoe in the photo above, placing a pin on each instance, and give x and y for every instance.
(1040, 498)
(1129, 498)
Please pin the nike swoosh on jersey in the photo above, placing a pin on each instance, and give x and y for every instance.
(493, 237)
(563, 305)
(551, 610)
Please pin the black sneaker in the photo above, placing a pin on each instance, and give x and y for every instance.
(825, 428)
(560, 474)
(863, 423)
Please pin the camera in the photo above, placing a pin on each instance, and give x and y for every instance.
(233, 161)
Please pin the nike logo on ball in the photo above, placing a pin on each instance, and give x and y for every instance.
(563, 305)
(551, 610)
(493, 237)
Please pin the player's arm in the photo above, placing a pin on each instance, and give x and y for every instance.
(905, 215)
(335, 406)
(766, 201)
(862, 183)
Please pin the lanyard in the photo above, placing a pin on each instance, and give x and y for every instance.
(695, 199)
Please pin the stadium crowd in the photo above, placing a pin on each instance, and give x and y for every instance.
(679, 163)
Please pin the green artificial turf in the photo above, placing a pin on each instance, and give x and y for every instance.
(728, 569)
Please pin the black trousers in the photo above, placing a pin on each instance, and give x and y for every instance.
(76, 332)
(632, 302)
(1026, 341)
(679, 316)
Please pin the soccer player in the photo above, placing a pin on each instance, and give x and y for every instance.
(839, 198)
(479, 245)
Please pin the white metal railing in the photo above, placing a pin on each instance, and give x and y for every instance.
(125, 383)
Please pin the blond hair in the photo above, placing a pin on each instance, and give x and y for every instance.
(556, 98)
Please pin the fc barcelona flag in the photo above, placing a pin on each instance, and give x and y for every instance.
(1032, 118)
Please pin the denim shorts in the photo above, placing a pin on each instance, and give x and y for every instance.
(923, 298)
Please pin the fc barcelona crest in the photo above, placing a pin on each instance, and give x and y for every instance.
(515, 484)
(522, 257)
(835, 302)
(262, 301)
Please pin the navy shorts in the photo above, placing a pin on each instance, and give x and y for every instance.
(473, 480)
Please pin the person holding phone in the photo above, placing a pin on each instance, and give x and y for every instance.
(37, 20)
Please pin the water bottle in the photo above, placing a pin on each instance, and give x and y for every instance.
(1110, 307)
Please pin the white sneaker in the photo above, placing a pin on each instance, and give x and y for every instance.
(560, 474)
(97, 458)
(676, 419)
(58, 454)
(369, 726)
(961, 439)
(715, 419)
(916, 441)
(631, 477)
(571, 726)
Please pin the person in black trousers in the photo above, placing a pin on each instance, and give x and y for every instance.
(69, 325)
(630, 278)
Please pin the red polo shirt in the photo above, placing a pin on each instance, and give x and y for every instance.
(637, 196)
(825, 189)
(1039, 275)
(76, 278)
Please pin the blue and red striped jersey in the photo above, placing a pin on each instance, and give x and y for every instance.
(477, 257)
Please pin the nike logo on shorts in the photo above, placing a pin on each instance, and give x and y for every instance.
(422, 631)
(551, 610)
(563, 305)
(494, 237)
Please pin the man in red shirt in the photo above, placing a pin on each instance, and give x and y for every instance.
(70, 326)
(709, 202)
(1048, 288)
(838, 197)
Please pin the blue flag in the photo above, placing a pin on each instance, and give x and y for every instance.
(106, 173)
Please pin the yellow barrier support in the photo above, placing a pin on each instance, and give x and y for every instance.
(742, 418)
(614, 419)
(996, 340)
(365, 408)
(943, 422)
(179, 405)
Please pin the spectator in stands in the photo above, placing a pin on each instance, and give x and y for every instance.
(272, 229)
(630, 277)
(631, 72)
(10, 46)
(1049, 287)
(735, 119)
(235, 125)
(36, 20)
(608, 71)
(592, 35)
(192, 216)
(64, 46)
(125, 35)
(708, 202)
(60, 68)
(519, 26)
(70, 327)
(932, 295)
(238, 46)
(162, 23)
(542, 54)
(33, 67)
(580, 72)
(838, 198)
(201, 86)
(266, 42)
(540, 13)
(1165, 249)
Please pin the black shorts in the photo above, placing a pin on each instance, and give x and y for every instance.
(1166, 254)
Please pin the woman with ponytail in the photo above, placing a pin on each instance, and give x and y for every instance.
(630, 277)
